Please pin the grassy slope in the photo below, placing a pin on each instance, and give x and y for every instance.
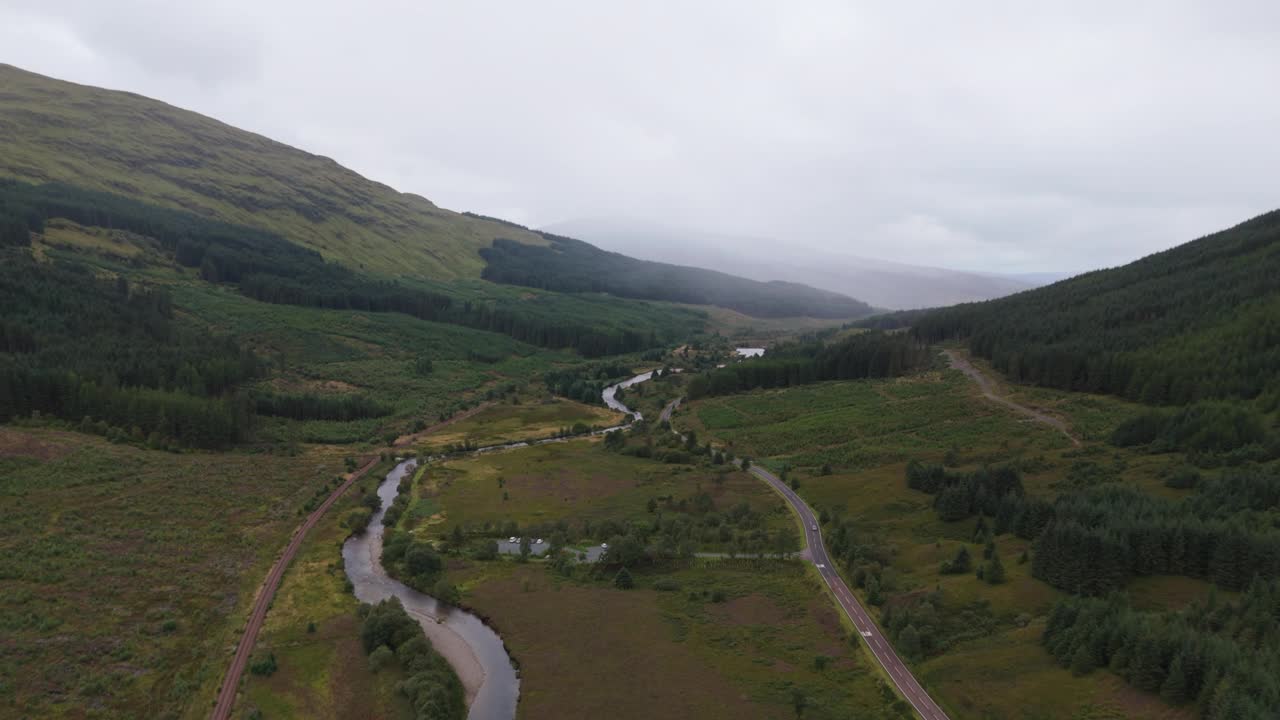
(103, 546)
(868, 430)
(529, 421)
(146, 149)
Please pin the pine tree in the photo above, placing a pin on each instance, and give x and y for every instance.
(909, 641)
(1082, 661)
(995, 569)
(1174, 689)
(623, 580)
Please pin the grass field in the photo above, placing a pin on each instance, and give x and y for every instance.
(867, 431)
(574, 480)
(314, 633)
(651, 654)
(126, 573)
(530, 420)
(735, 639)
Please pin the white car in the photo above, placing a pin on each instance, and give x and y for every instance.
(604, 546)
(813, 526)
(538, 541)
(511, 539)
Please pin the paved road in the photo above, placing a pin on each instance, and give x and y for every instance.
(665, 416)
(988, 390)
(897, 670)
(231, 683)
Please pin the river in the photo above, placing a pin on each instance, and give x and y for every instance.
(474, 650)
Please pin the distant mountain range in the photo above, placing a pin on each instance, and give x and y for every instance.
(882, 283)
(310, 210)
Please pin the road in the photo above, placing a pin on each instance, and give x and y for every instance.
(665, 415)
(231, 683)
(958, 362)
(897, 670)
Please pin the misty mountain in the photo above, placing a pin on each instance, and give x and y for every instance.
(573, 266)
(879, 282)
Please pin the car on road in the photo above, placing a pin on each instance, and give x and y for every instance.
(604, 546)
(814, 527)
(538, 541)
(511, 539)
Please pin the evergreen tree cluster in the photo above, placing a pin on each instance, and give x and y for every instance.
(1102, 536)
(1091, 541)
(430, 683)
(1200, 321)
(106, 352)
(1224, 659)
(17, 220)
(573, 266)
(867, 355)
(1210, 431)
(341, 408)
(269, 268)
(994, 492)
(585, 382)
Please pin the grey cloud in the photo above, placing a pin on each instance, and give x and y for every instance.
(984, 135)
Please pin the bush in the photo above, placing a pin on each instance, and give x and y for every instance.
(357, 520)
(381, 658)
(623, 580)
(264, 666)
(421, 559)
(667, 585)
(446, 592)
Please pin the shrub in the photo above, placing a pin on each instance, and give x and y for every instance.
(381, 658)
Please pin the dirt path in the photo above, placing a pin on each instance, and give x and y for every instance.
(962, 364)
(231, 683)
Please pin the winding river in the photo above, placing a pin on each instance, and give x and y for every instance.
(474, 650)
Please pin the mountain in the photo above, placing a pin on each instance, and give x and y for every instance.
(119, 142)
(570, 265)
(1199, 321)
(127, 145)
(878, 282)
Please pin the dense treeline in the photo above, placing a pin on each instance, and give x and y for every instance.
(1094, 540)
(1208, 432)
(1223, 658)
(431, 685)
(574, 266)
(319, 407)
(17, 221)
(1101, 537)
(896, 320)
(268, 268)
(868, 355)
(994, 492)
(76, 346)
(1200, 321)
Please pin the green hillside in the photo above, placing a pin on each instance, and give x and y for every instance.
(570, 265)
(1199, 321)
(130, 145)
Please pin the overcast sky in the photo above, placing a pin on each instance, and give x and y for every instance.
(977, 135)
